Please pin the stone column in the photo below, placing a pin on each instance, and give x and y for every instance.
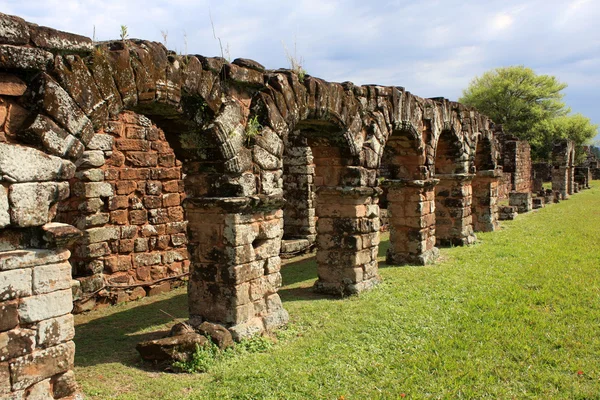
(36, 324)
(411, 211)
(347, 239)
(571, 179)
(453, 219)
(560, 181)
(485, 201)
(235, 245)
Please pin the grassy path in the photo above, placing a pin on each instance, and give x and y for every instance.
(515, 316)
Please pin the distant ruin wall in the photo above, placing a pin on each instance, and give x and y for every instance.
(517, 162)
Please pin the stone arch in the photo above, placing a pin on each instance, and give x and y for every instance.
(485, 185)
(453, 193)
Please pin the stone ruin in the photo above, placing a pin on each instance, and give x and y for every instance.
(126, 169)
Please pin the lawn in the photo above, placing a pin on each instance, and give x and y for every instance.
(516, 315)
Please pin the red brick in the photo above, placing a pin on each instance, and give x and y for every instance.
(152, 201)
(162, 147)
(175, 214)
(141, 159)
(132, 145)
(111, 174)
(166, 160)
(142, 273)
(126, 245)
(138, 217)
(135, 132)
(117, 159)
(118, 202)
(171, 200)
(163, 242)
(118, 217)
(135, 173)
(125, 187)
(171, 186)
(165, 173)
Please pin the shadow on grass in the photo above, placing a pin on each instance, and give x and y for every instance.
(112, 338)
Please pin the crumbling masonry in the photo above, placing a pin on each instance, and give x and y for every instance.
(151, 167)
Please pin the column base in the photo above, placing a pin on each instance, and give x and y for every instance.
(426, 258)
(345, 289)
(456, 241)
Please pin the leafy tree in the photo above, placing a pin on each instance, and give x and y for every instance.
(529, 106)
(576, 127)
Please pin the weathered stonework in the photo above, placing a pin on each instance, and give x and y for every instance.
(252, 158)
(563, 162)
(127, 197)
(36, 328)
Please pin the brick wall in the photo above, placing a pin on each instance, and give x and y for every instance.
(126, 196)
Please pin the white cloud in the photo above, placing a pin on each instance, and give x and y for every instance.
(432, 47)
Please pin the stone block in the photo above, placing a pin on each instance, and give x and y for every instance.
(50, 278)
(13, 30)
(101, 142)
(40, 391)
(146, 259)
(91, 159)
(4, 214)
(29, 258)
(15, 283)
(33, 368)
(52, 39)
(5, 386)
(15, 343)
(95, 235)
(93, 189)
(53, 331)
(16, 57)
(31, 202)
(26, 164)
(45, 306)
(9, 315)
(64, 385)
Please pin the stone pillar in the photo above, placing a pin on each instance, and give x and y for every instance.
(453, 198)
(571, 179)
(560, 181)
(235, 245)
(411, 210)
(485, 201)
(347, 239)
(36, 325)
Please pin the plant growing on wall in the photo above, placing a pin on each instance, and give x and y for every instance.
(253, 129)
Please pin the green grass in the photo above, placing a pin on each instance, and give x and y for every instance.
(515, 316)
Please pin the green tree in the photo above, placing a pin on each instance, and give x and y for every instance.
(576, 127)
(529, 106)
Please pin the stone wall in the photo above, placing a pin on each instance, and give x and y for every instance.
(517, 162)
(126, 196)
(242, 133)
(36, 325)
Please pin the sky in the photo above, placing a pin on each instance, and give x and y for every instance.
(433, 48)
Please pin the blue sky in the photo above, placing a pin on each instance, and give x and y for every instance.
(431, 47)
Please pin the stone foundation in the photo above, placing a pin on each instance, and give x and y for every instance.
(348, 239)
(36, 325)
(411, 209)
(453, 207)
